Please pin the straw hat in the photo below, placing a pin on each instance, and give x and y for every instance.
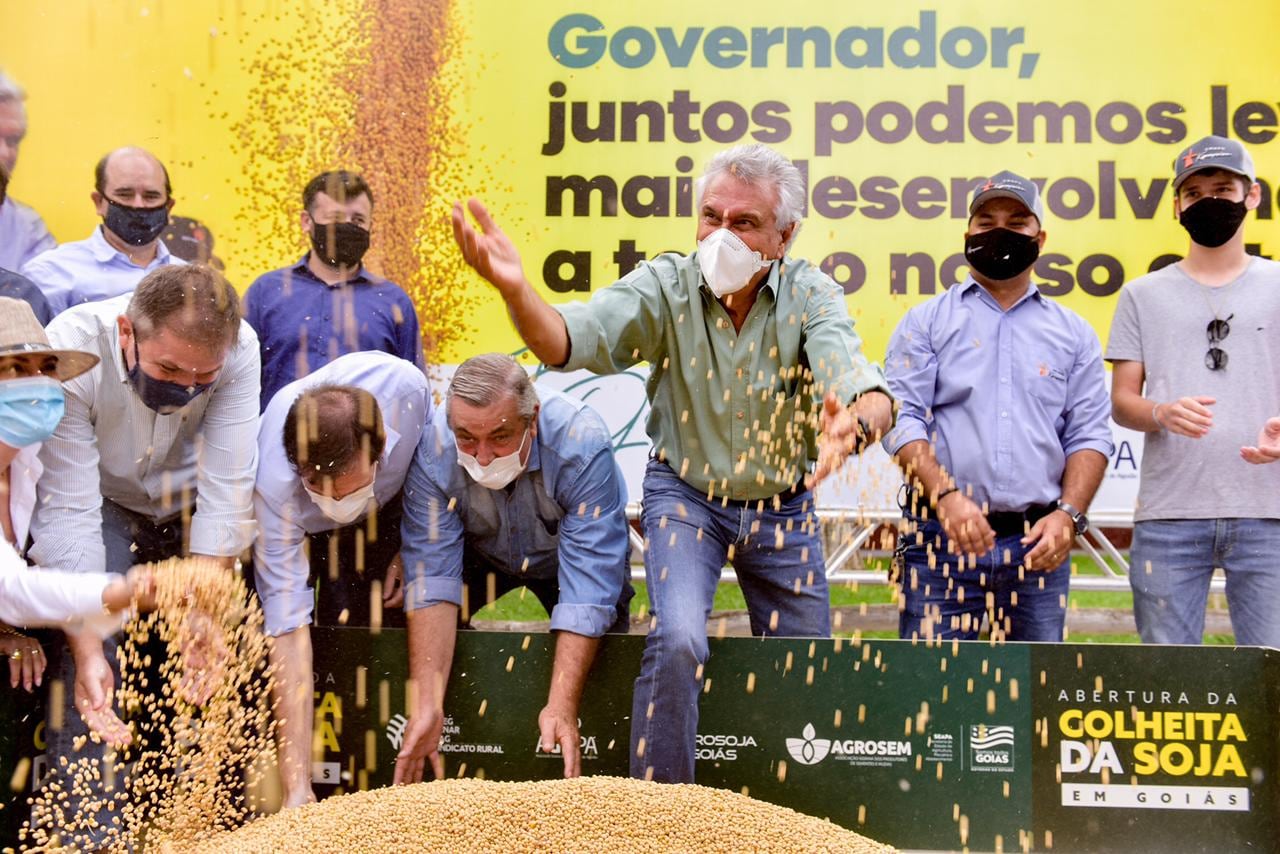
(22, 335)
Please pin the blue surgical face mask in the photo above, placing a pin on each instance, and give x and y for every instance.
(162, 396)
(30, 409)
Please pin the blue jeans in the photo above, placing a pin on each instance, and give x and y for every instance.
(951, 598)
(777, 555)
(1170, 566)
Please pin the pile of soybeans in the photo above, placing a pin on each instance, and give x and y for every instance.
(588, 814)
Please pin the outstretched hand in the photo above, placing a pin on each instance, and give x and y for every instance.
(1268, 448)
(839, 436)
(94, 694)
(488, 250)
(420, 748)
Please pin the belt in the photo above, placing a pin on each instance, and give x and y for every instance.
(1007, 523)
(783, 497)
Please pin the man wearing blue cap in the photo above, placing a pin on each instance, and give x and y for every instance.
(1194, 355)
(1003, 435)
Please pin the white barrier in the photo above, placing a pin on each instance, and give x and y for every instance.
(863, 494)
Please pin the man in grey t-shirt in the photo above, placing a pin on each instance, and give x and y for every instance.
(1196, 369)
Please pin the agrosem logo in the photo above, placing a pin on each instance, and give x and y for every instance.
(808, 750)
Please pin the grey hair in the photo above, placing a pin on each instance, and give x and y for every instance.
(759, 164)
(9, 89)
(485, 379)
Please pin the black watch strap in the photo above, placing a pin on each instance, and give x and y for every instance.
(864, 439)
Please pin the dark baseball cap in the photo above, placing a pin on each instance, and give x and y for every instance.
(1007, 185)
(1213, 152)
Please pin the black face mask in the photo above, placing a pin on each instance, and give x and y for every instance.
(162, 396)
(350, 242)
(1212, 222)
(136, 226)
(1001, 254)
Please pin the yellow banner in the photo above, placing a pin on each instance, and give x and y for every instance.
(584, 124)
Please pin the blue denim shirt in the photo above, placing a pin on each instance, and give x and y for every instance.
(564, 517)
(304, 323)
(1004, 396)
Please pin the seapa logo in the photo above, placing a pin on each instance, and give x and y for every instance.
(808, 750)
(991, 747)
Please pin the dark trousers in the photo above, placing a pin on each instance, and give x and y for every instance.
(346, 561)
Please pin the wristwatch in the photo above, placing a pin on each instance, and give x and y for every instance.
(1081, 521)
(864, 439)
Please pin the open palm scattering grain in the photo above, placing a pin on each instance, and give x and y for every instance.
(194, 694)
(587, 814)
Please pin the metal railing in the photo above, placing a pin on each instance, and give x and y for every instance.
(844, 564)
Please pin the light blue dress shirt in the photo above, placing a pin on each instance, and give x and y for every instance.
(564, 517)
(89, 270)
(1004, 396)
(286, 515)
(23, 235)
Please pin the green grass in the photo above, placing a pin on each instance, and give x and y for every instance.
(522, 606)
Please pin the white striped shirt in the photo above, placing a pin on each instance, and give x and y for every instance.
(112, 445)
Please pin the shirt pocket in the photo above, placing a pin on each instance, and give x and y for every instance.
(545, 524)
(1047, 385)
(787, 430)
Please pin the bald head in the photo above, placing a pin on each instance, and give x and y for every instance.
(332, 430)
(133, 177)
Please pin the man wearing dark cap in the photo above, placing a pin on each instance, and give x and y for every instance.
(1195, 368)
(1003, 435)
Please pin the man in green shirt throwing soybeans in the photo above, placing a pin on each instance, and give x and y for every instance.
(755, 372)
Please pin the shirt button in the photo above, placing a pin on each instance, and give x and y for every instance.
(1004, 414)
(1004, 379)
(740, 415)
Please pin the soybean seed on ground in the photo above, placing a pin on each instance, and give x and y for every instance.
(588, 814)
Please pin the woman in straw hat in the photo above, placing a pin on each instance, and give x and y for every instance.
(31, 405)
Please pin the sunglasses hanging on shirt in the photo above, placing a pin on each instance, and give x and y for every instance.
(1217, 330)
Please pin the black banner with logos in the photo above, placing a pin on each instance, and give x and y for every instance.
(1010, 747)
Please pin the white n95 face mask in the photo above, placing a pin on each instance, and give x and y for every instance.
(727, 263)
(499, 472)
(347, 509)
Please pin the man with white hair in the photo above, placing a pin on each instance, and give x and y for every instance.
(749, 351)
(23, 234)
(512, 486)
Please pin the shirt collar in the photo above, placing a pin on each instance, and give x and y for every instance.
(302, 269)
(970, 285)
(103, 251)
(770, 282)
(535, 457)
(393, 437)
(117, 353)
